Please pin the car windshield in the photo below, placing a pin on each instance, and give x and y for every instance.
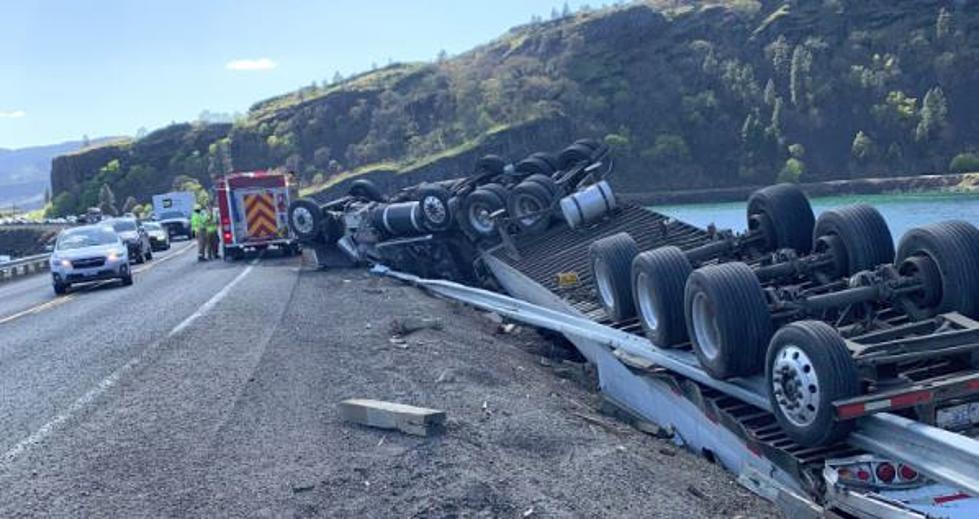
(86, 237)
(124, 225)
(171, 214)
(152, 226)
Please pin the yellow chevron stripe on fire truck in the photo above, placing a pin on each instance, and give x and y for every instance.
(260, 214)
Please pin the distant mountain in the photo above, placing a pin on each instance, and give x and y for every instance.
(26, 172)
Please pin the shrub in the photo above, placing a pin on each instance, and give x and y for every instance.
(962, 163)
(793, 171)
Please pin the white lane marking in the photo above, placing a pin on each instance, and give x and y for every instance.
(212, 301)
(108, 382)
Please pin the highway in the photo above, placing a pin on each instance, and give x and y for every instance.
(110, 394)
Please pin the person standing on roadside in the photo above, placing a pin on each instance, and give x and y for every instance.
(212, 233)
(197, 225)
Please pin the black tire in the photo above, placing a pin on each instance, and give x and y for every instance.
(953, 249)
(809, 359)
(529, 205)
(500, 191)
(127, 280)
(550, 158)
(658, 280)
(436, 209)
(784, 213)
(306, 219)
(611, 269)
(476, 209)
(574, 154)
(60, 288)
(545, 181)
(862, 233)
(534, 165)
(490, 164)
(728, 320)
(366, 189)
(149, 254)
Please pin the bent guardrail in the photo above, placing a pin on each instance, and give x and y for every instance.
(21, 267)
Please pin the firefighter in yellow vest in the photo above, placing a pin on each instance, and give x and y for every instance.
(197, 225)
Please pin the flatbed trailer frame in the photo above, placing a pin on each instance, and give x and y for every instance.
(729, 421)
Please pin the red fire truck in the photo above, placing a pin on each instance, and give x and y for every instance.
(253, 208)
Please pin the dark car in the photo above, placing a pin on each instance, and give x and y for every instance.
(135, 237)
(159, 237)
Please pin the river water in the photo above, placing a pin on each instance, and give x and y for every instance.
(902, 211)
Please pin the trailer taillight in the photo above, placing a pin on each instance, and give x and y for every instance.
(908, 473)
(886, 472)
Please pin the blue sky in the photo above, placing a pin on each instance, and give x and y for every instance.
(83, 67)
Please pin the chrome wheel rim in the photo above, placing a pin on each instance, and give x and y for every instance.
(528, 205)
(480, 218)
(796, 385)
(603, 279)
(302, 220)
(644, 293)
(435, 210)
(705, 327)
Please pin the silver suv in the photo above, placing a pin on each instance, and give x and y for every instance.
(89, 253)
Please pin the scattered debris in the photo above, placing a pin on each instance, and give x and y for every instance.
(304, 488)
(507, 328)
(528, 512)
(667, 452)
(409, 325)
(567, 279)
(696, 492)
(420, 421)
(399, 342)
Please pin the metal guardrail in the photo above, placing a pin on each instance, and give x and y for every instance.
(26, 266)
(946, 457)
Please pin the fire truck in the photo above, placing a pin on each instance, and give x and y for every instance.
(253, 210)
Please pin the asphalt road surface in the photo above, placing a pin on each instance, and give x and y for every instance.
(210, 390)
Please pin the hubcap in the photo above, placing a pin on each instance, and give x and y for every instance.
(434, 209)
(302, 220)
(604, 280)
(479, 218)
(795, 385)
(645, 295)
(705, 326)
(528, 205)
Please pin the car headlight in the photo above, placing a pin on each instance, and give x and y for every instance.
(115, 255)
(65, 263)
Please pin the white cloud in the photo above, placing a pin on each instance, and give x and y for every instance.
(251, 64)
(13, 114)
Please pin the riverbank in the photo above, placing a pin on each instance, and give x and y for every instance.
(964, 182)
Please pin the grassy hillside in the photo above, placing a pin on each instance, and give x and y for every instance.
(689, 94)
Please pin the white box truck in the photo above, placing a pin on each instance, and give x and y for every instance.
(173, 210)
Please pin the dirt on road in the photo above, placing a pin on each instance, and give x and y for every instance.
(524, 437)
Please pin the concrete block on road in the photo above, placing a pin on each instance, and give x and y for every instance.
(420, 421)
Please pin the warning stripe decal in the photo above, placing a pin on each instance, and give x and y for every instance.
(260, 215)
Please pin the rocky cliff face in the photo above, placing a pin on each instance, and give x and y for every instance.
(689, 94)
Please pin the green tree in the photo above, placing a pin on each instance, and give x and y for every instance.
(619, 142)
(63, 205)
(780, 54)
(799, 76)
(667, 150)
(770, 92)
(933, 116)
(863, 148)
(107, 201)
(797, 151)
(129, 205)
(792, 171)
(943, 25)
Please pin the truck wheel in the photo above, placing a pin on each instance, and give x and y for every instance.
(529, 204)
(945, 258)
(436, 210)
(306, 219)
(807, 368)
(550, 158)
(534, 165)
(492, 164)
(477, 208)
(611, 269)
(366, 189)
(127, 280)
(727, 319)
(658, 279)
(783, 212)
(546, 181)
(574, 154)
(863, 235)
